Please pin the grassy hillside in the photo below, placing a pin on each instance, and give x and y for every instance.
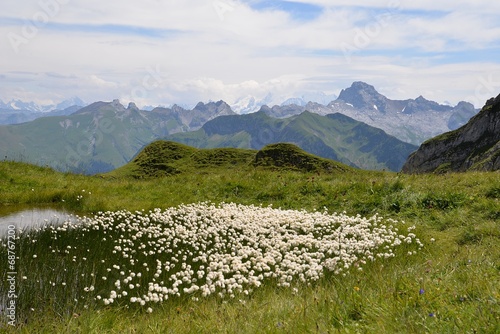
(449, 286)
(87, 142)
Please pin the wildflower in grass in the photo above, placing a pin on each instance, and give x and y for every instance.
(204, 249)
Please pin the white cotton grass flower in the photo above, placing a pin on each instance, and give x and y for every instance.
(228, 250)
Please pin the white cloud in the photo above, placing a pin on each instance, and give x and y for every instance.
(101, 83)
(103, 50)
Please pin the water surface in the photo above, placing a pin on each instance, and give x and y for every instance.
(25, 217)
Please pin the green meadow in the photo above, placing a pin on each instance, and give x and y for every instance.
(450, 285)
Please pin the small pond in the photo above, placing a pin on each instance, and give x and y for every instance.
(25, 217)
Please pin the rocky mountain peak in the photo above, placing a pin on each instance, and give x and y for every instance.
(132, 106)
(360, 85)
(421, 99)
(421, 103)
(492, 104)
(177, 108)
(117, 105)
(357, 90)
(363, 96)
(465, 105)
(218, 108)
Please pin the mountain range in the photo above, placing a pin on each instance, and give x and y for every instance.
(105, 135)
(410, 120)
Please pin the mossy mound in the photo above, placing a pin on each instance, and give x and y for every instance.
(158, 158)
(290, 156)
(163, 158)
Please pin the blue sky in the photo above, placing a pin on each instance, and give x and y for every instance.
(298, 11)
(160, 53)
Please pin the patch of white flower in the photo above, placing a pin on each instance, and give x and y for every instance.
(205, 249)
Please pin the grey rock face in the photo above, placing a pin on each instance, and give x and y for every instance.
(474, 146)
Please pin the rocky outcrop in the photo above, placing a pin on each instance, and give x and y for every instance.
(474, 146)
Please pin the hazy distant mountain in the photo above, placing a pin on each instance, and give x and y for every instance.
(294, 101)
(333, 136)
(18, 105)
(20, 116)
(75, 101)
(313, 97)
(17, 111)
(250, 104)
(474, 146)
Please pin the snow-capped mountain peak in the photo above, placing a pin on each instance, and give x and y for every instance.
(18, 105)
